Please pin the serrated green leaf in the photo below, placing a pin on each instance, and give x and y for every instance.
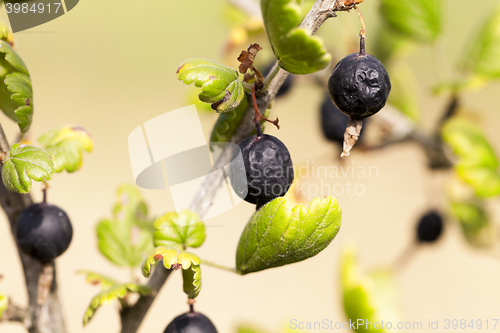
(403, 95)
(173, 259)
(114, 293)
(13, 58)
(227, 123)
(66, 146)
(369, 297)
(219, 84)
(4, 303)
(24, 164)
(418, 19)
(297, 51)
(128, 236)
(475, 224)
(278, 234)
(179, 231)
(96, 278)
(19, 85)
(483, 54)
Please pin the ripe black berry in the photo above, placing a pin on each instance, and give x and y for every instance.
(266, 172)
(287, 84)
(429, 227)
(191, 322)
(44, 231)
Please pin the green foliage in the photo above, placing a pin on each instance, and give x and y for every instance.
(227, 123)
(24, 164)
(127, 236)
(278, 234)
(179, 231)
(96, 278)
(219, 84)
(297, 51)
(475, 224)
(173, 259)
(418, 19)
(477, 164)
(4, 303)
(402, 95)
(483, 54)
(118, 291)
(66, 146)
(367, 297)
(16, 93)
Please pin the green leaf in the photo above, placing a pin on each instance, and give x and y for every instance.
(475, 224)
(128, 236)
(367, 297)
(6, 34)
(219, 84)
(96, 278)
(4, 303)
(19, 85)
(178, 232)
(114, 293)
(297, 51)
(278, 234)
(403, 95)
(477, 163)
(26, 163)
(173, 259)
(418, 19)
(66, 146)
(227, 123)
(483, 53)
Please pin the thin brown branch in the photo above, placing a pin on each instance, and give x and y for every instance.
(14, 313)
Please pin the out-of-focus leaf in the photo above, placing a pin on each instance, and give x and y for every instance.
(128, 236)
(173, 259)
(179, 231)
(66, 146)
(6, 34)
(278, 234)
(389, 44)
(485, 181)
(26, 163)
(114, 293)
(476, 227)
(227, 123)
(219, 84)
(417, 19)
(483, 54)
(403, 91)
(96, 278)
(4, 303)
(368, 297)
(296, 49)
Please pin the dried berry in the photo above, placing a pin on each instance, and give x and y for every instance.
(265, 171)
(191, 322)
(430, 227)
(44, 231)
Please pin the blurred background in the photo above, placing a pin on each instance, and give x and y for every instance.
(109, 66)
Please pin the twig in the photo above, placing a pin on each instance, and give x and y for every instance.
(225, 268)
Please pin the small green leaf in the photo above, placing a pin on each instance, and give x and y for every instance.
(484, 181)
(178, 232)
(173, 259)
(219, 84)
(4, 303)
(6, 34)
(227, 123)
(483, 54)
(114, 293)
(369, 297)
(96, 278)
(417, 19)
(128, 236)
(66, 146)
(13, 58)
(19, 85)
(297, 51)
(26, 163)
(402, 95)
(278, 234)
(476, 227)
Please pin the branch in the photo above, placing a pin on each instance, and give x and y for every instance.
(46, 318)
(14, 313)
(319, 13)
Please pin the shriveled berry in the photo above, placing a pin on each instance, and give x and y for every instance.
(44, 231)
(191, 322)
(266, 171)
(430, 227)
(287, 84)
(359, 85)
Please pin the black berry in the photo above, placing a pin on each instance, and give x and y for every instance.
(429, 227)
(266, 172)
(44, 231)
(191, 322)
(287, 84)
(359, 85)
